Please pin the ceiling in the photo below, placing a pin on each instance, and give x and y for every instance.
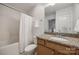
(28, 7)
(51, 9)
(22, 7)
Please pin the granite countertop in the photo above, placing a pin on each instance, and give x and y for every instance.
(70, 40)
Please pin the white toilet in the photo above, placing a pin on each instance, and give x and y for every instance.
(30, 49)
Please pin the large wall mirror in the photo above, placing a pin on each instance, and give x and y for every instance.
(62, 18)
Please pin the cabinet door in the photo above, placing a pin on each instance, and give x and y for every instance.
(41, 50)
(60, 49)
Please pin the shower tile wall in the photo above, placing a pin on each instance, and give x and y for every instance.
(9, 26)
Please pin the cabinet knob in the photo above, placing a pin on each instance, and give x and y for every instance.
(68, 49)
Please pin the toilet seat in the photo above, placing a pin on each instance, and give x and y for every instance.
(30, 47)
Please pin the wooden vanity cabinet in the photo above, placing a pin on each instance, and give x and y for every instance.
(44, 50)
(60, 49)
(46, 47)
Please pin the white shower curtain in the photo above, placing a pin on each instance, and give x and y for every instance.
(25, 37)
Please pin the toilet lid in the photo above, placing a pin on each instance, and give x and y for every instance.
(30, 47)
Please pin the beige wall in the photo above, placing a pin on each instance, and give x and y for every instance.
(38, 14)
(9, 25)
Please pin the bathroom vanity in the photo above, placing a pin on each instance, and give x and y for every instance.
(53, 45)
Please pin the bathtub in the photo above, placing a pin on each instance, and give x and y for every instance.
(11, 49)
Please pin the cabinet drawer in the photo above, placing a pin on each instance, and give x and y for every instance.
(60, 48)
(42, 50)
(40, 41)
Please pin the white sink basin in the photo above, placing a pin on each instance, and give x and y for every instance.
(58, 39)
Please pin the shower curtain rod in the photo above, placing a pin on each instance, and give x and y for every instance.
(14, 9)
(10, 7)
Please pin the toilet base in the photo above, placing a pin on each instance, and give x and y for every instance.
(29, 53)
(30, 50)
